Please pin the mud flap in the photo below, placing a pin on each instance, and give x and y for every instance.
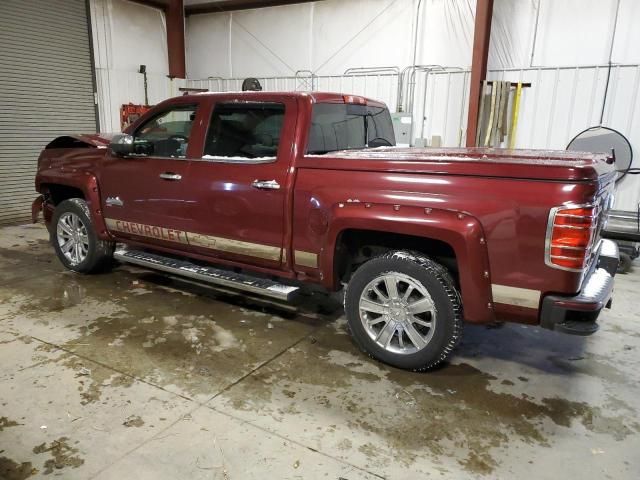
(36, 208)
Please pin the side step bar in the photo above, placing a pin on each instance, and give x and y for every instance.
(216, 276)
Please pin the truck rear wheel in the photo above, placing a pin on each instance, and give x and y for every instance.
(625, 263)
(403, 309)
(74, 238)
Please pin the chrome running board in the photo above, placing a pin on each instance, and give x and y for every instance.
(212, 275)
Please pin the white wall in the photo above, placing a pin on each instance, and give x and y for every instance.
(528, 38)
(559, 104)
(125, 36)
(332, 35)
(569, 32)
(327, 37)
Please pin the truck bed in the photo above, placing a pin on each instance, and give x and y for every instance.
(557, 165)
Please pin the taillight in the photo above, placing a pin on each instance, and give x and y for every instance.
(570, 237)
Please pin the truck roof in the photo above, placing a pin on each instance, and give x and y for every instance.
(315, 97)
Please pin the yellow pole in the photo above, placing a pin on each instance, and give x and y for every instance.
(514, 116)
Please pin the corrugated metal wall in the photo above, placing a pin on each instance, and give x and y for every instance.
(46, 90)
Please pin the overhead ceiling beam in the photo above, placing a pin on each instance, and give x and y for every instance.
(175, 39)
(174, 15)
(231, 5)
(161, 4)
(481, 37)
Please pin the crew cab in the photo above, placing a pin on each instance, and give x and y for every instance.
(264, 192)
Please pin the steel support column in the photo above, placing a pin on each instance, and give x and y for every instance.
(175, 39)
(481, 36)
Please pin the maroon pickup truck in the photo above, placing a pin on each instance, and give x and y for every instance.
(265, 191)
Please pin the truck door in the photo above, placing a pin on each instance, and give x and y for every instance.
(144, 195)
(239, 184)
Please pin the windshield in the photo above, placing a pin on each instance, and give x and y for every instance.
(340, 126)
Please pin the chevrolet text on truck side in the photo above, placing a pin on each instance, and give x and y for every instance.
(279, 189)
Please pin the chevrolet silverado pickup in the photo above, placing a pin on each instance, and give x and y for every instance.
(264, 192)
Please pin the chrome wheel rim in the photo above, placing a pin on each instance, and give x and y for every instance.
(398, 313)
(73, 238)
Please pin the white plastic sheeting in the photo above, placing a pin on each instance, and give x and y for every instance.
(330, 36)
(560, 103)
(326, 37)
(529, 39)
(125, 36)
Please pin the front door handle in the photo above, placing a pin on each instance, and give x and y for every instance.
(171, 176)
(266, 184)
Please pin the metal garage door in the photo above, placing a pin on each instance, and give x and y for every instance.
(46, 89)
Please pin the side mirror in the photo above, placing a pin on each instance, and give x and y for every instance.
(121, 145)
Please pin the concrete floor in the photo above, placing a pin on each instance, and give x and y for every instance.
(127, 375)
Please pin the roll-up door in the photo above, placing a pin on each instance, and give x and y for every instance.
(46, 90)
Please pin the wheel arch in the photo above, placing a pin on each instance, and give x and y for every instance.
(56, 189)
(450, 232)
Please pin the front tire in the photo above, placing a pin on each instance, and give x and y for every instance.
(74, 238)
(403, 309)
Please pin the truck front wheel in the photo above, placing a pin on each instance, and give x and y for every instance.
(74, 238)
(403, 309)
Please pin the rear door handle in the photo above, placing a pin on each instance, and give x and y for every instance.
(171, 176)
(266, 184)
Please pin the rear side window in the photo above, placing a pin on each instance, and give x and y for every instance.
(340, 126)
(245, 130)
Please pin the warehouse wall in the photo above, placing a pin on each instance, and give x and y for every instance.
(546, 33)
(560, 103)
(529, 37)
(330, 36)
(333, 35)
(125, 36)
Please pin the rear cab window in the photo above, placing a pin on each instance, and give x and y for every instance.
(345, 126)
(248, 131)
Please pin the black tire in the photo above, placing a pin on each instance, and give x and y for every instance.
(625, 263)
(100, 253)
(440, 286)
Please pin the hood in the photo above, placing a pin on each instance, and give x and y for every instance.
(486, 162)
(96, 139)
(82, 140)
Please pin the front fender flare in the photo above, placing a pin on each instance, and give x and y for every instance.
(87, 183)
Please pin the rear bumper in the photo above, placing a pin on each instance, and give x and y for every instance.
(577, 314)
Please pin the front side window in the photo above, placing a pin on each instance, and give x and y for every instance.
(344, 126)
(245, 131)
(167, 134)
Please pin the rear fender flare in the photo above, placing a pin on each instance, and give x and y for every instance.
(459, 230)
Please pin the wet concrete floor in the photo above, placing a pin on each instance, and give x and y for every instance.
(131, 375)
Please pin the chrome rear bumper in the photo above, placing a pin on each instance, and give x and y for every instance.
(577, 314)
